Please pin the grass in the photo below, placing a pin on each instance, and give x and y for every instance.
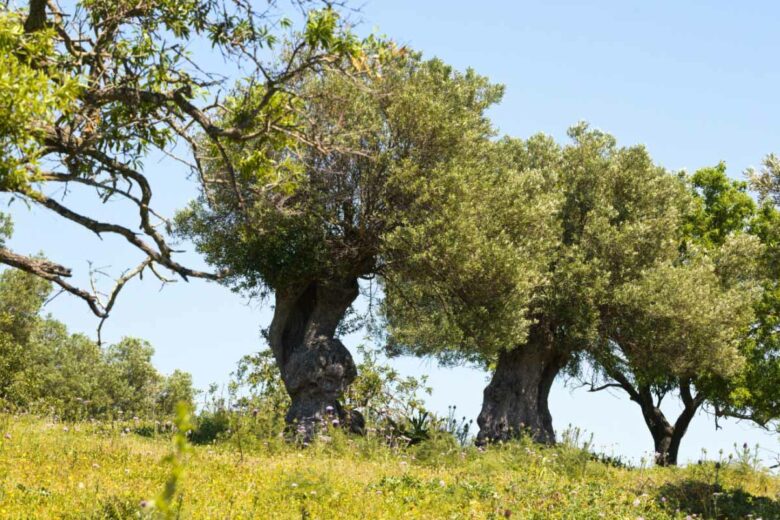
(102, 470)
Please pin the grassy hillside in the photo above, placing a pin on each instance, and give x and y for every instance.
(115, 470)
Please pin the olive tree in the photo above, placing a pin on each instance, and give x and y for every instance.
(307, 218)
(535, 297)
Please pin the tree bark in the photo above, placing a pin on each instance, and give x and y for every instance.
(36, 18)
(666, 436)
(315, 366)
(516, 400)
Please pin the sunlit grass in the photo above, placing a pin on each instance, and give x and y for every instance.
(97, 470)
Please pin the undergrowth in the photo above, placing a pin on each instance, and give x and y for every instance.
(110, 470)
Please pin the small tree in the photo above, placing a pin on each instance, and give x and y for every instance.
(129, 377)
(175, 389)
(682, 326)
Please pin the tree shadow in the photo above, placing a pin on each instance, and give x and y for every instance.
(712, 501)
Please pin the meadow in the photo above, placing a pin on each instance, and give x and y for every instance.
(136, 469)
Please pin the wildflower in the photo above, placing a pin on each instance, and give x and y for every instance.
(507, 513)
(81, 485)
(442, 483)
(255, 412)
(95, 465)
(403, 463)
(329, 409)
(637, 502)
(294, 484)
(8, 436)
(144, 504)
(335, 422)
(65, 429)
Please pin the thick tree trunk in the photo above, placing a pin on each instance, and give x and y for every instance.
(516, 400)
(316, 367)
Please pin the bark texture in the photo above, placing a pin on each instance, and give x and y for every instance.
(516, 400)
(316, 367)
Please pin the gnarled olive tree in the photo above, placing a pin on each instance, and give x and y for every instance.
(307, 217)
(613, 215)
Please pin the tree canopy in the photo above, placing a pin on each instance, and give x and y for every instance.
(91, 93)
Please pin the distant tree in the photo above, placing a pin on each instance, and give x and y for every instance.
(21, 298)
(45, 369)
(130, 379)
(308, 219)
(175, 388)
(684, 326)
(64, 375)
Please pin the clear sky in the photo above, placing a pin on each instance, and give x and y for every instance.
(694, 81)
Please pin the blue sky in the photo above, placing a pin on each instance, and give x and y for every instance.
(694, 81)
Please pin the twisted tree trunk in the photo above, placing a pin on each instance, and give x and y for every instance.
(315, 366)
(516, 400)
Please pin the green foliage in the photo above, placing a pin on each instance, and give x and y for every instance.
(766, 181)
(45, 369)
(723, 206)
(92, 471)
(752, 394)
(21, 298)
(256, 402)
(33, 92)
(473, 250)
(547, 240)
(313, 209)
(135, 380)
(175, 389)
